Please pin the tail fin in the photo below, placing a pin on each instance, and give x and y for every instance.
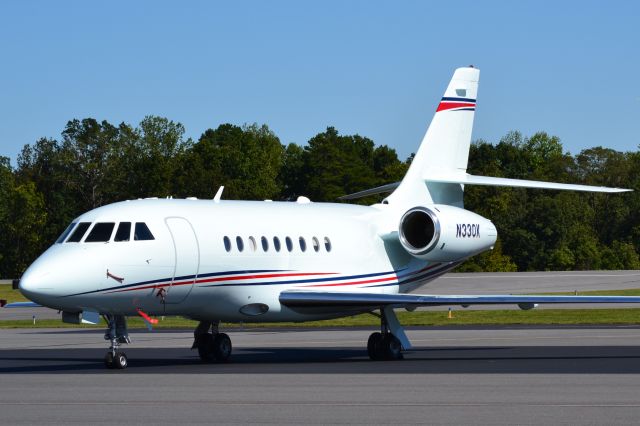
(445, 147)
(438, 172)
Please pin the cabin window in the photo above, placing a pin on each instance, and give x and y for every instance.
(289, 243)
(303, 244)
(265, 244)
(79, 232)
(252, 244)
(100, 233)
(239, 243)
(327, 244)
(316, 244)
(227, 243)
(142, 232)
(66, 232)
(276, 243)
(124, 232)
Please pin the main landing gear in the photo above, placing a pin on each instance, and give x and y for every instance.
(387, 344)
(117, 334)
(214, 346)
(384, 347)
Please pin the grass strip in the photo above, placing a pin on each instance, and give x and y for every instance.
(11, 295)
(626, 316)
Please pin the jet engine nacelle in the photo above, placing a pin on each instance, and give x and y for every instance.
(444, 233)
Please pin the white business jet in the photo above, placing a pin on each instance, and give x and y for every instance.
(217, 260)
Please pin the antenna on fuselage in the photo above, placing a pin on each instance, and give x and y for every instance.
(218, 195)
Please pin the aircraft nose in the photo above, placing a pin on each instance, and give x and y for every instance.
(31, 284)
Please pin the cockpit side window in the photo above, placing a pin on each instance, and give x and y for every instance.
(142, 232)
(100, 233)
(79, 232)
(124, 232)
(65, 233)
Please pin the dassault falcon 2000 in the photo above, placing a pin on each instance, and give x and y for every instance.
(217, 260)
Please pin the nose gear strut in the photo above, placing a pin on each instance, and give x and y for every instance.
(117, 333)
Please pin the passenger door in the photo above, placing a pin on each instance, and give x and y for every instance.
(187, 259)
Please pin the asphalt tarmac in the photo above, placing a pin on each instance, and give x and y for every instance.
(507, 375)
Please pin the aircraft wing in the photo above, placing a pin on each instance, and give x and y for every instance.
(311, 299)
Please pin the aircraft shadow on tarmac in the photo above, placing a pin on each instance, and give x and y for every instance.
(441, 360)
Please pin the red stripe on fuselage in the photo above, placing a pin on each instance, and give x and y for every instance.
(379, 280)
(219, 279)
(262, 276)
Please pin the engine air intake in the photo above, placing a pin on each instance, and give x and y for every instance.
(419, 230)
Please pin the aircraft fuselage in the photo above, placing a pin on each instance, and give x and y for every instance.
(227, 260)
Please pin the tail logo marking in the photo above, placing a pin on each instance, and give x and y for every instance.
(456, 104)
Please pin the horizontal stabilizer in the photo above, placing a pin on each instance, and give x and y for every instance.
(307, 299)
(467, 179)
(373, 191)
(22, 305)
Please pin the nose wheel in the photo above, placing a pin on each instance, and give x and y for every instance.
(117, 334)
(116, 361)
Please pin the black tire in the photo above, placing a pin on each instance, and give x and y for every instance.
(391, 347)
(373, 346)
(120, 361)
(108, 361)
(222, 347)
(205, 348)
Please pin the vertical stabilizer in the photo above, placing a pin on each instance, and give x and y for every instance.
(444, 150)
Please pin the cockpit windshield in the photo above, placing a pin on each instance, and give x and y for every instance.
(103, 232)
(142, 232)
(100, 233)
(79, 232)
(124, 232)
(66, 232)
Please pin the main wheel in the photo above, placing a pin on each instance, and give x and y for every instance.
(120, 361)
(222, 347)
(206, 348)
(391, 347)
(374, 346)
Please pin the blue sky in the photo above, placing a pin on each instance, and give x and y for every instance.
(376, 68)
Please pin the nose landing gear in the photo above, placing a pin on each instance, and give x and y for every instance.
(117, 334)
(214, 346)
(116, 360)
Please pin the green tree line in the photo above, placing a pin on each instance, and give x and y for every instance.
(95, 163)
